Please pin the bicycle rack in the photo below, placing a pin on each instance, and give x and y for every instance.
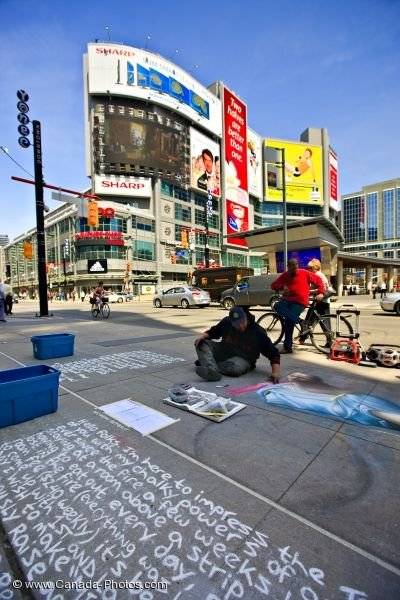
(348, 348)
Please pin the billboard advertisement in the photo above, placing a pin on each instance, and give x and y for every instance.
(235, 142)
(145, 139)
(333, 180)
(122, 186)
(303, 173)
(120, 70)
(254, 163)
(205, 163)
(235, 166)
(237, 216)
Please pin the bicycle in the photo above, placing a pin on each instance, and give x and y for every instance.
(317, 327)
(100, 307)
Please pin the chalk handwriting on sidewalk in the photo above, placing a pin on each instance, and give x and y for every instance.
(79, 503)
(112, 363)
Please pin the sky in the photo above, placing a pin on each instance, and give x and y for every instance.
(295, 65)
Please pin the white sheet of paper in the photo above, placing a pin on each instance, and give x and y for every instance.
(139, 417)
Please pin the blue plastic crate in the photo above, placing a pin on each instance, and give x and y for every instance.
(53, 345)
(27, 393)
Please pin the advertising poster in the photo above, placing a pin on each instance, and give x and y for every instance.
(235, 166)
(333, 180)
(237, 220)
(254, 163)
(235, 140)
(303, 173)
(205, 163)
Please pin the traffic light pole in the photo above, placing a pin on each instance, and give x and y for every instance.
(41, 248)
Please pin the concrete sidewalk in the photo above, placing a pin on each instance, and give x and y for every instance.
(272, 502)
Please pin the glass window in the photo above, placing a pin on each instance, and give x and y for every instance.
(183, 213)
(143, 250)
(398, 211)
(354, 219)
(388, 214)
(100, 251)
(143, 224)
(372, 216)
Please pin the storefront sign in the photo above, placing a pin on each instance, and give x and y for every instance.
(97, 266)
(115, 237)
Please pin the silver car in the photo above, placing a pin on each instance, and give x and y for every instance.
(182, 295)
(391, 303)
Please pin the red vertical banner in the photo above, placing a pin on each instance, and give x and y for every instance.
(235, 134)
(333, 180)
(235, 166)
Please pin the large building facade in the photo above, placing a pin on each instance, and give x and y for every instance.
(370, 222)
(176, 170)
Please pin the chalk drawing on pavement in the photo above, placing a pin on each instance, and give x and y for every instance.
(112, 363)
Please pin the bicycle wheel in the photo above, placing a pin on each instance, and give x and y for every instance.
(273, 325)
(323, 335)
(95, 311)
(105, 311)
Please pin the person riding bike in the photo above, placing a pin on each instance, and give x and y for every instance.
(295, 287)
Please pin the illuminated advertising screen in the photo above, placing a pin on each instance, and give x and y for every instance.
(205, 163)
(254, 163)
(131, 137)
(120, 70)
(302, 256)
(333, 180)
(303, 173)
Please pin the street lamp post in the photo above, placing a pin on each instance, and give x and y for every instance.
(279, 161)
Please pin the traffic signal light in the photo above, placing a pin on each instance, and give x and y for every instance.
(184, 238)
(28, 250)
(93, 214)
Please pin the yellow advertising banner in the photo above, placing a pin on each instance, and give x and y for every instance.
(303, 172)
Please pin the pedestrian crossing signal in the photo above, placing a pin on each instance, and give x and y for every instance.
(93, 214)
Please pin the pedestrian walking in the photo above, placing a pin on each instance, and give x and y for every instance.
(2, 299)
(83, 295)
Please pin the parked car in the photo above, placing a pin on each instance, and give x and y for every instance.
(118, 297)
(391, 303)
(182, 295)
(253, 290)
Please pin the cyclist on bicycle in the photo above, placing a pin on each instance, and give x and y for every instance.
(322, 307)
(295, 287)
(98, 292)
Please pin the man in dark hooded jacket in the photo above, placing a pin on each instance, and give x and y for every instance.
(242, 342)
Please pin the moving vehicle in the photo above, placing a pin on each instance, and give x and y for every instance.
(216, 280)
(119, 297)
(251, 291)
(182, 295)
(391, 303)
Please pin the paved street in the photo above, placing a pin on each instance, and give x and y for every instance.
(272, 502)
